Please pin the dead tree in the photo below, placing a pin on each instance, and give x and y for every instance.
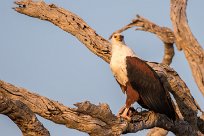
(21, 105)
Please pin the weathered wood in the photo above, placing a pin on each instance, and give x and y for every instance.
(68, 22)
(180, 91)
(93, 119)
(22, 116)
(165, 35)
(187, 42)
(98, 119)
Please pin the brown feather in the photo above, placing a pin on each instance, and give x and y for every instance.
(146, 82)
(132, 96)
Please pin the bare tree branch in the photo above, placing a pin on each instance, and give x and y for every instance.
(165, 34)
(187, 42)
(93, 119)
(103, 122)
(68, 22)
(22, 116)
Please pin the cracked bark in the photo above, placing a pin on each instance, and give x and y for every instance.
(98, 119)
(22, 116)
(93, 119)
(187, 42)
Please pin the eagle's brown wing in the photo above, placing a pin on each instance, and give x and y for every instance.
(147, 83)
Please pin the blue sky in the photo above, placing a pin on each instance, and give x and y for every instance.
(39, 56)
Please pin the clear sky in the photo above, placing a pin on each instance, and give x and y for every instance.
(39, 56)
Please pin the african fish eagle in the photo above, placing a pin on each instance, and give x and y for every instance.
(138, 80)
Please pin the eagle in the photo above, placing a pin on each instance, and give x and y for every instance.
(138, 81)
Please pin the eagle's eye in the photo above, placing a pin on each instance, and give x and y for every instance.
(122, 36)
(115, 36)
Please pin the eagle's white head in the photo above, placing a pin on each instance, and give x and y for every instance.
(117, 39)
(119, 48)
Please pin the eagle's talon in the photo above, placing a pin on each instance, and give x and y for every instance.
(126, 117)
(124, 113)
(122, 109)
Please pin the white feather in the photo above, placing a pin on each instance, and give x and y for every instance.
(118, 60)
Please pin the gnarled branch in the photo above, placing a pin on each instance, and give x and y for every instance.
(98, 119)
(68, 22)
(93, 119)
(165, 34)
(187, 42)
(23, 117)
